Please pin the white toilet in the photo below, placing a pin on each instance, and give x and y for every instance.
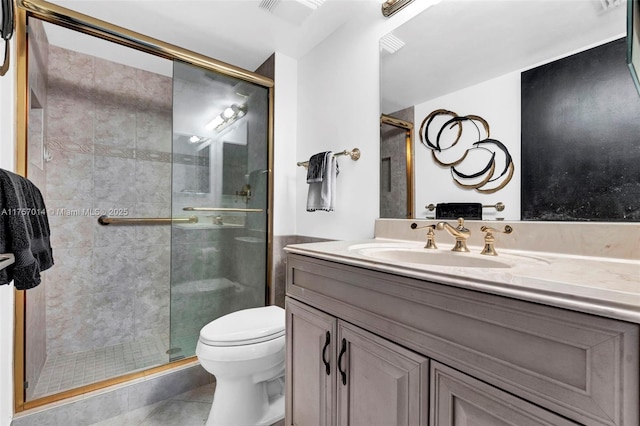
(244, 350)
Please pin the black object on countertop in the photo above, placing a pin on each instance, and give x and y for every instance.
(467, 211)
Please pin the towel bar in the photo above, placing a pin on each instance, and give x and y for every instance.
(354, 154)
(499, 206)
(106, 220)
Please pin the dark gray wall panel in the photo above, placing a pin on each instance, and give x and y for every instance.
(581, 138)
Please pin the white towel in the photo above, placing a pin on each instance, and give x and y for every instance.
(322, 195)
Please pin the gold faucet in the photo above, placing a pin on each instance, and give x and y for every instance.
(431, 236)
(489, 239)
(460, 233)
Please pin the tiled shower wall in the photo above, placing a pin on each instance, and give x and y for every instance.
(393, 167)
(109, 134)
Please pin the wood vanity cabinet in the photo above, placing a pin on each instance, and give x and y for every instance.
(423, 353)
(459, 399)
(343, 375)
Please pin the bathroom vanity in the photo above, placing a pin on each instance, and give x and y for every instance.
(530, 340)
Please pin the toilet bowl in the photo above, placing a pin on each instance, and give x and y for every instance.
(244, 350)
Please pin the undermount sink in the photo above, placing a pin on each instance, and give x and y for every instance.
(431, 257)
(415, 254)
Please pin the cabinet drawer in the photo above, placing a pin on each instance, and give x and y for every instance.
(460, 400)
(581, 366)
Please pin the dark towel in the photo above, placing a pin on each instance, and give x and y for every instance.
(468, 211)
(24, 231)
(316, 168)
(322, 195)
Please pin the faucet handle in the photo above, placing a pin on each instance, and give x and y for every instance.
(461, 224)
(489, 239)
(431, 236)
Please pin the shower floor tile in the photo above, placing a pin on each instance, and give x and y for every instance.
(68, 371)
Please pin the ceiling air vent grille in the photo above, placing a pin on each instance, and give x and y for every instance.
(294, 12)
(314, 4)
(268, 4)
(391, 44)
(610, 4)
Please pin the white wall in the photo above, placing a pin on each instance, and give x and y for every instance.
(285, 133)
(339, 108)
(7, 161)
(498, 102)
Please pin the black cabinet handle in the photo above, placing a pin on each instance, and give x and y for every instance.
(343, 374)
(324, 353)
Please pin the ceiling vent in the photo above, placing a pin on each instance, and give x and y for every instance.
(292, 11)
(314, 4)
(391, 44)
(610, 4)
(268, 5)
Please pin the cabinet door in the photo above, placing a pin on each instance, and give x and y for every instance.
(310, 366)
(379, 382)
(460, 400)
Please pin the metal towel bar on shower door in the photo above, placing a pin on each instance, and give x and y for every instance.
(221, 209)
(106, 220)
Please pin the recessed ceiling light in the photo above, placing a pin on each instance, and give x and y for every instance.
(197, 139)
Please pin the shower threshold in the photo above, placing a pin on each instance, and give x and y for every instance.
(67, 371)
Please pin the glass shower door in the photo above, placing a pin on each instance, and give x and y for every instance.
(220, 177)
(98, 147)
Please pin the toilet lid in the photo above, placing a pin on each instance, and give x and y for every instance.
(245, 327)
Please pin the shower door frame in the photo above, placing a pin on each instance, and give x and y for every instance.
(409, 158)
(88, 25)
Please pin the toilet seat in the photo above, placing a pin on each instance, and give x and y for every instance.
(246, 327)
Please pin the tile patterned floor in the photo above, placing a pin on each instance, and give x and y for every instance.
(188, 409)
(69, 371)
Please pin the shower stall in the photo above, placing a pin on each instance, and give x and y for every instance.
(156, 174)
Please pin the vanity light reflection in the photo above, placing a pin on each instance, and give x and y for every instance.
(227, 117)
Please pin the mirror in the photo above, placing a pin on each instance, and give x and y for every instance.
(213, 167)
(457, 55)
(235, 178)
(212, 158)
(396, 165)
(633, 42)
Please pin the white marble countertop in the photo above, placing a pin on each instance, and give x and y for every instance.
(602, 286)
(6, 260)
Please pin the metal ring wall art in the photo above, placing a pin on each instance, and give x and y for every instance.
(461, 142)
